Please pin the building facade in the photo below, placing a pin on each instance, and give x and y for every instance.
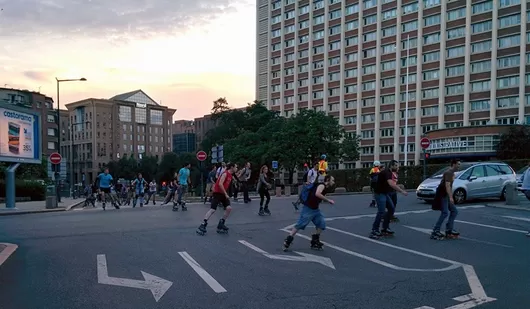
(183, 126)
(184, 142)
(126, 125)
(388, 69)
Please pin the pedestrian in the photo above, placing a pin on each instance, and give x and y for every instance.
(374, 172)
(220, 196)
(382, 190)
(244, 178)
(309, 177)
(312, 195)
(139, 190)
(322, 168)
(212, 177)
(444, 202)
(263, 188)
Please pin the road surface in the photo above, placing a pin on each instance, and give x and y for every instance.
(152, 258)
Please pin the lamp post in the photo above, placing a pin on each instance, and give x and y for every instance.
(72, 150)
(58, 167)
(407, 104)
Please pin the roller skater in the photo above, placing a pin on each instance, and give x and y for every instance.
(374, 172)
(382, 190)
(139, 189)
(312, 195)
(105, 182)
(220, 196)
(183, 181)
(444, 202)
(263, 190)
(309, 177)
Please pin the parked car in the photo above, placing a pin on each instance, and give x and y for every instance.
(519, 174)
(472, 181)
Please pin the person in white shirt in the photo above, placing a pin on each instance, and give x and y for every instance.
(309, 177)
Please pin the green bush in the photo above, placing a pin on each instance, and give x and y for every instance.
(410, 176)
(33, 190)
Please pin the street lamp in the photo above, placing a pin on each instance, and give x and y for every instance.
(58, 167)
(72, 150)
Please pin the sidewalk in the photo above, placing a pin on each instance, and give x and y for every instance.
(524, 204)
(39, 206)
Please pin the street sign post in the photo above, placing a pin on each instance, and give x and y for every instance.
(201, 156)
(425, 143)
(217, 154)
(55, 158)
(275, 165)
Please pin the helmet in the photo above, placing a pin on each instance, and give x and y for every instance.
(377, 163)
(323, 157)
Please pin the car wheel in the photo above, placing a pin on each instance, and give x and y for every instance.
(503, 194)
(459, 196)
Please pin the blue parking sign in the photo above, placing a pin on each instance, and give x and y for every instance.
(275, 164)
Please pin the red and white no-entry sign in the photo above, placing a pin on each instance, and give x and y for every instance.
(55, 158)
(425, 143)
(201, 155)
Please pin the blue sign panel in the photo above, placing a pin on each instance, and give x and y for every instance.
(20, 135)
(275, 164)
(217, 154)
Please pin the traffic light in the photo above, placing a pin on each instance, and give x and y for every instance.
(427, 156)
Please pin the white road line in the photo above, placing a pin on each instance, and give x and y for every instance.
(425, 307)
(7, 251)
(492, 226)
(218, 288)
(428, 232)
(518, 218)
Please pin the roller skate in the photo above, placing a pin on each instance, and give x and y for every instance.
(183, 205)
(451, 234)
(175, 206)
(295, 205)
(267, 211)
(315, 242)
(375, 234)
(372, 204)
(202, 228)
(437, 235)
(387, 232)
(261, 212)
(103, 206)
(394, 219)
(287, 243)
(221, 227)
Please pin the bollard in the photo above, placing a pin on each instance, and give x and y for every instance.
(287, 190)
(512, 197)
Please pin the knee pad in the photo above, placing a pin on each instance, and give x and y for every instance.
(228, 208)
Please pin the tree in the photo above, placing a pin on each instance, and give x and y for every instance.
(219, 106)
(148, 166)
(125, 167)
(168, 166)
(515, 144)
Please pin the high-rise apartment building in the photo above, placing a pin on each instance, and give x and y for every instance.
(127, 125)
(455, 64)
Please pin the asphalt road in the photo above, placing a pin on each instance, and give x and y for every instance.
(56, 264)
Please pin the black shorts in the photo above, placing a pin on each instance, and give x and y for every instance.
(219, 198)
(105, 190)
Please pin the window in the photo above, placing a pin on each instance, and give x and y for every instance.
(303, 68)
(275, 88)
(481, 47)
(303, 97)
(318, 64)
(388, 99)
(429, 127)
(140, 115)
(479, 105)
(288, 85)
(456, 33)
(369, 3)
(430, 111)
(386, 116)
(484, 26)
(508, 82)
(430, 57)
(431, 75)
(318, 49)
(482, 7)
(412, 43)
(125, 113)
(481, 66)
(371, 36)
(352, 25)
(431, 3)
(389, 31)
(411, 96)
(350, 89)
(505, 3)
(410, 8)
(290, 29)
(303, 10)
(456, 14)
(479, 86)
(412, 60)
(51, 132)
(319, 35)
(334, 60)
(303, 39)
(368, 118)
(350, 120)
(318, 79)
(454, 108)
(508, 21)
(367, 134)
(430, 93)
(369, 69)
(156, 117)
(508, 102)
(317, 20)
(50, 118)
(289, 15)
(388, 82)
(303, 24)
(411, 113)
(352, 57)
(431, 38)
(508, 62)
(410, 26)
(350, 73)
(368, 86)
(455, 71)
(369, 53)
(387, 132)
(288, 99)
(509, 41)
(387, 149)
(334, 92)
(318, 94)
(412, 79)
(388, 65)
(335, 14)
(388, 49)
(354, 40)
(335, 30)
(51, 146)
(432, 20)
(389, 14)
(457, 51)
(276, 19)
(368, 102)
(371, 19)
(454, 89)
(289, 57)
(318, 4)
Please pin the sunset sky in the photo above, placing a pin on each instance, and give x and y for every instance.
(184, 54)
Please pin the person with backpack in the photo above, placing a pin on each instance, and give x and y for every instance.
(374, 172)
(322, 167)
(263, 188)
(312, 195)
(309, 177)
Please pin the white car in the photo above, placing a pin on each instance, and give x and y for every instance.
(519, 174)
(472, 181)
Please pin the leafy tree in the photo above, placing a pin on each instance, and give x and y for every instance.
(515, 144)
(125, 167)
(148, 166)
(168, 166)
(219, 106)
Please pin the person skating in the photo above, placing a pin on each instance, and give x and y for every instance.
(220, 196)
(183, 181)
(210, 181)
(445, 203)
(374, 172)
(382, 190)
(244, 177)
(322, 168)
(309, 177)
(105, 181)
(139, 190)
(312, 195)
(393, 194)
(263, 189)
(152, 192)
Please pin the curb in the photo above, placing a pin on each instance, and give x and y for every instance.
(25, 212)
(7, 251)
(74, 205)
(512, 207)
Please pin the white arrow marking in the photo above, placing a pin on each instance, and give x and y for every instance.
(156, 285)
(429, 232)
(218, 288)
(305, 257)
(518, 218)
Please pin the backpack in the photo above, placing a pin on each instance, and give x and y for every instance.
(304, 178)
(308, 191)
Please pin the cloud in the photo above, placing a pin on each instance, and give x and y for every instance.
(37, 76)
(116, 20)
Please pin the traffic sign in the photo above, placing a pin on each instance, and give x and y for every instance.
(55, 158)
(425, 143)
(201, 155)
(275, 164)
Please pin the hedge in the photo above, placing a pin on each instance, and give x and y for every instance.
(410, 176)
(33, 190)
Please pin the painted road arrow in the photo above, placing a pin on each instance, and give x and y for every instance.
(429, 232)
(156, 285)
(304, 257)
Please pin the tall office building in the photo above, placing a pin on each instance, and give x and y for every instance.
(456, 65)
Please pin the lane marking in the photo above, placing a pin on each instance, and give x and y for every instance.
(7, 251)
(216, 287)
(429, 232)
(492, 226)
(518, 218)
(380, 262)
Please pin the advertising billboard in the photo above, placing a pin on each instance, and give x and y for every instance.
(20, 135)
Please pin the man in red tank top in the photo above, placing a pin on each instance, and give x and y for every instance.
(220, 196)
